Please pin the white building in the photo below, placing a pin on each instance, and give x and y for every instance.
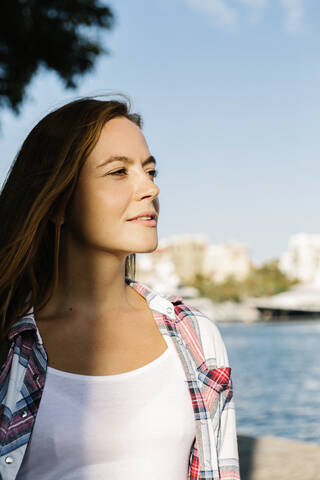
(187, 252)
(158, 270)
(227, 259)
(302, 260)
(178, 259)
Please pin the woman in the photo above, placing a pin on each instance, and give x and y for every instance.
(101, 376)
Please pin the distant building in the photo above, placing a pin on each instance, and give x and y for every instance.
(178, 259)
(227, 259)
(302, 260)
(158, 270)
(187, 252)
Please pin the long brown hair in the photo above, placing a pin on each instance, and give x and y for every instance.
(38, 188)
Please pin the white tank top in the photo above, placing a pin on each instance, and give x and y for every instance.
(138, 425)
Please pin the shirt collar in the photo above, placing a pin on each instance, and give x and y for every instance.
(25, 323)
(160, 303)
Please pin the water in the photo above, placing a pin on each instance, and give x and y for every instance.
(276, 377)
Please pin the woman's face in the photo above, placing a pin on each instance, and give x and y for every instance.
(112, 191)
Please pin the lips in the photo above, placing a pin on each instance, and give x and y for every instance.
(151, 222)
(148, 219)
(148, 214)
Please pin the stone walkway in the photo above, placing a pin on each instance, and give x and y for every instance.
(274, 458)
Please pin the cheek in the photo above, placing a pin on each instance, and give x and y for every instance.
(110, 201)
(94, 204)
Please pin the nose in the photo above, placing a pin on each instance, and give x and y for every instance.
(147, 187)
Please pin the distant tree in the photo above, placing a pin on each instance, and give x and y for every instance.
(265, 281)
(50, 33)
(268, 280)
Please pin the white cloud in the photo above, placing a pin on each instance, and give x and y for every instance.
(254, 3)
(255, 9)
(226, 12)
(217, 9)
(293, 14)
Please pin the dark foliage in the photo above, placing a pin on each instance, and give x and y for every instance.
(49, 33)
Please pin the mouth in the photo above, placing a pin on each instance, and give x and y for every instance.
(149, 221)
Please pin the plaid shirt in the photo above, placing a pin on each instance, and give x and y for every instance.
(214, 453)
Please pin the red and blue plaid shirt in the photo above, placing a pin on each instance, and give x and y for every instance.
(214, 453)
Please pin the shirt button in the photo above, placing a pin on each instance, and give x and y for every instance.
(169, 310)
(203, 421)
(9, 460)
(207, 463)
(24, 414)
(35, 376)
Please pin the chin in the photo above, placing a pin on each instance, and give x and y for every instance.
(148, 247)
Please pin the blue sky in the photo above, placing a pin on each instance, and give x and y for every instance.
(229, 93)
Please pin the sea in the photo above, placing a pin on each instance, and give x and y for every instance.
(276, 377)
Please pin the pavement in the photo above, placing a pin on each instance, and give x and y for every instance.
(275, 458)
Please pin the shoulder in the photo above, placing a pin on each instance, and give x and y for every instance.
(205, 328)
(186, 316)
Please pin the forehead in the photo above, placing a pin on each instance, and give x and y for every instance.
(122, 137)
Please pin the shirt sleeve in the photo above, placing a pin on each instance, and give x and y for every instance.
(228, 457)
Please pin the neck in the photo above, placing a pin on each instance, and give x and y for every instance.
(92, 284)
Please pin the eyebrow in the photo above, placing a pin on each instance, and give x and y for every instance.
(125, 159)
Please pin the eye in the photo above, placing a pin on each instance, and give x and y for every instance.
(119, 172)
(154, 173)
(123, 171)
